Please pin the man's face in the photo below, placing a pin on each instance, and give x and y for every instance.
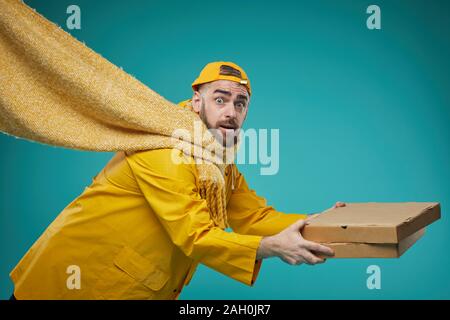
(222, 106)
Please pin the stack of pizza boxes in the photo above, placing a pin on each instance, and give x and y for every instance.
(373, 229)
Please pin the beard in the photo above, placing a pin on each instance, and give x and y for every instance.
(227, 140)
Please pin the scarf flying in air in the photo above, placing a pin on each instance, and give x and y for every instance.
(55, 90)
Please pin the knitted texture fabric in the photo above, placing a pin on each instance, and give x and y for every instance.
(55, 90)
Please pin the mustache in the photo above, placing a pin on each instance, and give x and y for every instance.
(228, 124)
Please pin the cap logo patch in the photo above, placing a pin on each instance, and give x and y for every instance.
(229, 71)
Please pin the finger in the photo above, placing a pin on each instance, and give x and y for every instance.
(318, 248)
(339, 204)
(290, 261)
(310, 258)
(298, 225)
(300, 261)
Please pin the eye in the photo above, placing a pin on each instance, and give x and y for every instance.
(240, 106)
(219, 100)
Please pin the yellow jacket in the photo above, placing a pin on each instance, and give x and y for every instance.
(140, 230)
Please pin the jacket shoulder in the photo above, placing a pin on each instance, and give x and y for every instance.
(164, 154)
(170, 162)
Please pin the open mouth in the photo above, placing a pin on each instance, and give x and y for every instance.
(228, 127)
(228, 130)
(228, 133)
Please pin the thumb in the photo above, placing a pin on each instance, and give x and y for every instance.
(312, 216)
(298, 225)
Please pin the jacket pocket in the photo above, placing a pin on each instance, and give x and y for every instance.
(131, 276)
(141, 269)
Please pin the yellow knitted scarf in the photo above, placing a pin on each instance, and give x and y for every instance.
(55, 90)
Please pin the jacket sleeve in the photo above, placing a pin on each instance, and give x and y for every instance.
(249, 213)
(172, 192)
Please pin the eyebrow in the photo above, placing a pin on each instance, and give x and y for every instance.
(240, 96)
(228, 93)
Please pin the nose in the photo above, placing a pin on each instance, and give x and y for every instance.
(230, 111)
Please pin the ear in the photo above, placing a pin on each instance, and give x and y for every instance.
(196, 102)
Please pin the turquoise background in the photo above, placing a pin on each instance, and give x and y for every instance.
(364, 115)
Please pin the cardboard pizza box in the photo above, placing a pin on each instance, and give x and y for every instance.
(371, 222)
(374, 250)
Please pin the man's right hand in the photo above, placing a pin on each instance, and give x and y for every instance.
(292, 248)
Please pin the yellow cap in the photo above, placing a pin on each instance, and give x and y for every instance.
(221, 70)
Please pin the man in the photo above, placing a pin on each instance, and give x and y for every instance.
(141, 228)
